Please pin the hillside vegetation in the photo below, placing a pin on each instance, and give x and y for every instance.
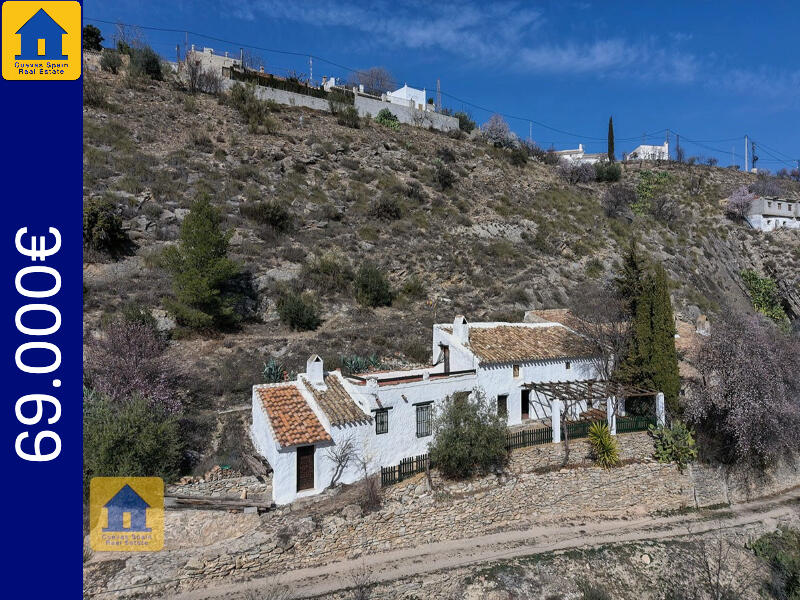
(371, 234)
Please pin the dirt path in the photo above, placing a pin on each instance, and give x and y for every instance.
(427, 558)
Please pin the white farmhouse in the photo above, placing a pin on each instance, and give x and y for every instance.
(388, 416)
(580, 156)
(770, 213)
(649, 152)
(408, 96)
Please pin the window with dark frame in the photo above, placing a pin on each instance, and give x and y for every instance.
(424, 420)
(502, 405)
(515, 370)
(381, 421)
(568, 365)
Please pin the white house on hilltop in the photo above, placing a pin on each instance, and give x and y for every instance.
(388, 415)
(580, 156)
(408, 96)
(649, 152)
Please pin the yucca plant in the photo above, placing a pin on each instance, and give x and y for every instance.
(604, 445)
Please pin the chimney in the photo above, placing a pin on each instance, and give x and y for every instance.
(261, 69)
(361, 87)
(461, 329)
(314, 370)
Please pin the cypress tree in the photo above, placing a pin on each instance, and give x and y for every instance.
(651, 360)
(611, 139)
(664, 358)
(629, 282)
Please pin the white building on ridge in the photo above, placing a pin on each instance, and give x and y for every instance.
(408, 96)
(649, 152)
(770, 213)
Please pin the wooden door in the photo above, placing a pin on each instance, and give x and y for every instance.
(525, 402)
(305, 468)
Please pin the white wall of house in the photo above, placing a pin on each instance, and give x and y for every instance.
(650, 152)
(769, 214)
(401, 400)
(209, 60)
(408, 96)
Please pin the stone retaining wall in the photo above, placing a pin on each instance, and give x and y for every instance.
(535, 488)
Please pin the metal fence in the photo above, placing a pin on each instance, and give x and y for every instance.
(519, 439)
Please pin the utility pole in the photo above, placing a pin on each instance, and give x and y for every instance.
(745, 154)
(241, 58)
(678, 147)
(438, 95)
(310, 71)
(178, 54)
(530, 132)
(754, 158)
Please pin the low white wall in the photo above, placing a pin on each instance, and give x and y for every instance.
(406, 114)
(283, 97)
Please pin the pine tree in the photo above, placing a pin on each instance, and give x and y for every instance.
(611, 139)
(201, 270)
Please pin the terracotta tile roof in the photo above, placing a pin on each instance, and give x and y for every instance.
(292, 419)
(509, 343)
(336, 403)
(557, 315)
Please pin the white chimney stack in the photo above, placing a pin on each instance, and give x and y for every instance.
(314, 370)
(461, 329)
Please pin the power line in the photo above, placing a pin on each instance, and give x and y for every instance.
(305, 55)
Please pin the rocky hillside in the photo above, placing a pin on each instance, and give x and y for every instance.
(501, 239)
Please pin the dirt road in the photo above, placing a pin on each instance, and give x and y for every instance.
(427, 558)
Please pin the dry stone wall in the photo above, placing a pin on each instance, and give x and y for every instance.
(535, 488)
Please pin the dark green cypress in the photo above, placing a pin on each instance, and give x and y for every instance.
(611, 156)
(664, 357)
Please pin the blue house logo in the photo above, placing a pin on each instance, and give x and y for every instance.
(41, 38)
(127, 501)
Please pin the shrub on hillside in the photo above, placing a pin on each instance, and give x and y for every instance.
(102, 228)
(348, 117)
(254, 112)
(617, 200)
(387, 118)
(387, 207)
(298, 312)
(469, 436)
(94, 94)
(766, 297)
(518, 157)
(607, 171)
(268, 212)
(446, 155)
(551, 157)
(781, 550)
(605, 449)
(674, 444)
(465, 123)
(445, 178)
(145, 62)
(574, 173)
(110, 61)
(132, 439)
(329, 272)
(371, 286)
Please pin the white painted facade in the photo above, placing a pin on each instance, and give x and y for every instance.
(580, 156)
(769, 214)
(649, 152)
(401, 394)
(408, 96)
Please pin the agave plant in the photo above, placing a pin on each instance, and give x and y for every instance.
(604, 445)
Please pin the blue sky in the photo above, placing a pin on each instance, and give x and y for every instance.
(710, 71)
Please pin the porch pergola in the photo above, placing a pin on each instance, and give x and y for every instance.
(593, 392)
